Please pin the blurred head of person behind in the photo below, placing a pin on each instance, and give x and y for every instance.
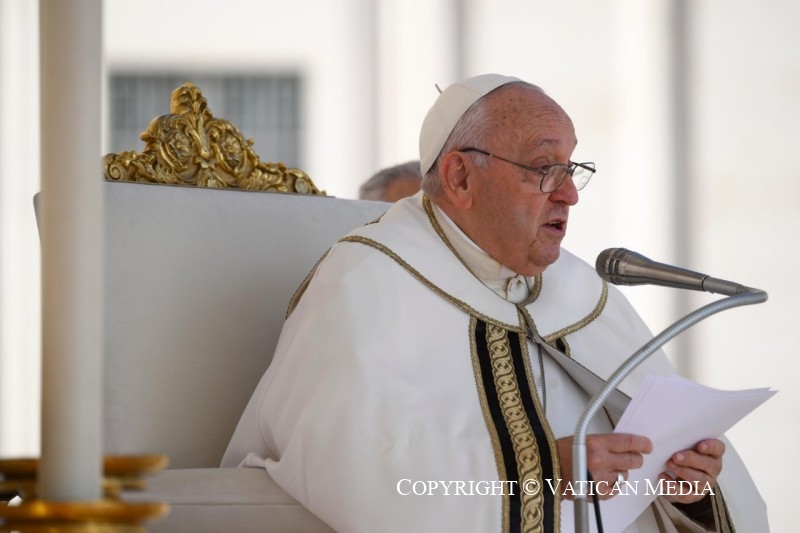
(392, 183)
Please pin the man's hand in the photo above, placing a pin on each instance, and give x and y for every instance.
(606, 455)
(701, 464)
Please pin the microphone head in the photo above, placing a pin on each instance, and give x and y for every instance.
(608, 263)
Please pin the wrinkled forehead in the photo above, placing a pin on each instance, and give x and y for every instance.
(528, 114)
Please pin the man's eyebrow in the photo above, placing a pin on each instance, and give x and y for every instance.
(545, 141)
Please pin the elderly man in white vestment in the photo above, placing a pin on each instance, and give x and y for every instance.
(419, 381)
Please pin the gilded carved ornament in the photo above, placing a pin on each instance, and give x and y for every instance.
(191, 147)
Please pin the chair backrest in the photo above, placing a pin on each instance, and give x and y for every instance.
(198, 278)
(197, 286)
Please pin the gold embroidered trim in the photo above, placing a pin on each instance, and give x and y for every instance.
(301, 289)
(567, 349)
(531, 379)
(536, 290)
(657, 515)
(540, 412)
(528, 322)
(526, 450)
(455, 301)
(722, 519)
(487, 417)
(426, 204)
(588, 319)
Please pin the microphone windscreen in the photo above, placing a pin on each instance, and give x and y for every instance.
(607, 263)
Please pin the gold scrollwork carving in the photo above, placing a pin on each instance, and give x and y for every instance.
(191, 147)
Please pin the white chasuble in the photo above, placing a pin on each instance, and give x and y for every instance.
(404, 394)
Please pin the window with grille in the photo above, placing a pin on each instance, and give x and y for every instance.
(265, 108)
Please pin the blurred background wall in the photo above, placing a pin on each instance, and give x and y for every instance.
(689, 108)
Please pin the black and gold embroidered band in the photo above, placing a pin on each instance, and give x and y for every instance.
(523, 444)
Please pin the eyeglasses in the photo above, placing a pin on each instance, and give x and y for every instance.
(552, 175)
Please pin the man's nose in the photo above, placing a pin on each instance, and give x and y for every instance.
(566, 192)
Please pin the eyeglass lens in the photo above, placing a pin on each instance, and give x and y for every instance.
(557, 173)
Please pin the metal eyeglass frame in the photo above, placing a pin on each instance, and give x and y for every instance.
(543, 171)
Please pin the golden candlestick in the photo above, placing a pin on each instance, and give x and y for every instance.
(18, 478)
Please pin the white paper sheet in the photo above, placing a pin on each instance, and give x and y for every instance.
(675, 413)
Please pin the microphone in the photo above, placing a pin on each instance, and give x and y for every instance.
(623, 267)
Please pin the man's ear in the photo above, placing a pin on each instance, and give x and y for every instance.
(454, 172)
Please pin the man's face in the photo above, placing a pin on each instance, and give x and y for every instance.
(516, 223)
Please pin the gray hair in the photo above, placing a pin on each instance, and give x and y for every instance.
(375, 187)
(472, 129)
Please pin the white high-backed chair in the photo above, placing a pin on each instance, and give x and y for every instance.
(198, 280)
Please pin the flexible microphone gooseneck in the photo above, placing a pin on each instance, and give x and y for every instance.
(623, 267)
